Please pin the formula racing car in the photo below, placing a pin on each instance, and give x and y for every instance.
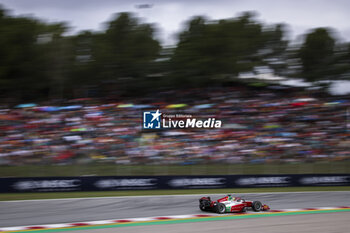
(230, 204)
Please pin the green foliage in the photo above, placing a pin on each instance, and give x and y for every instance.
(38, 61)
(340, 68)
(208, 49)
(126, 50)
(28, 57)
(317, 54)
(131, 46)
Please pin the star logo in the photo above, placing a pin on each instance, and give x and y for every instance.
(151, 120)
(156, 115)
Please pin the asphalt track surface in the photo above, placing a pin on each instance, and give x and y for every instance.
(36, 212)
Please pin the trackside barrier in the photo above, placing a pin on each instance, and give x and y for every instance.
(109, 183)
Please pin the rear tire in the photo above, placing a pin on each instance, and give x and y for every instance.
(256, 206)
(220, 208)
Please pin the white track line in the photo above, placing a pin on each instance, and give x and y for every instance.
(101, 222)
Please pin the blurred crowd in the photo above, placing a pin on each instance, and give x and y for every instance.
(257, 126)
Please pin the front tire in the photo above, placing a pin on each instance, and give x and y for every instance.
(220, 208)
(202, 207)
(256, 206)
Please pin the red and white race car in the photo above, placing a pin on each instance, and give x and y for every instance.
(230, 204)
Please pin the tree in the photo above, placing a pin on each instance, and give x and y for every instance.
(274, 53)
(29, 56)
(316, 54)
(130, 47)
(18, 56)
(210, 50)
(82, 65)
(340, 68)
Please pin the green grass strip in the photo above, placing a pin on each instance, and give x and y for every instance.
(55, 195)
(111, 169)
(190, 220)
